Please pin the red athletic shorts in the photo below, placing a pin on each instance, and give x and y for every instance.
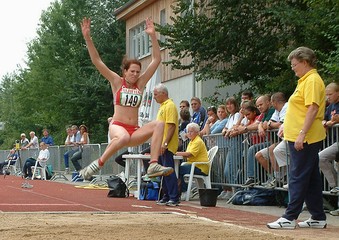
(129, 128)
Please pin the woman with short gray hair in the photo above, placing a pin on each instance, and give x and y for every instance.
(304, 132)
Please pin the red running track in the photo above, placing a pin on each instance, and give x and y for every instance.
(49, 196)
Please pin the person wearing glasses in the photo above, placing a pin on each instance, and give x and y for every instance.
(304, 131)
(196, 152)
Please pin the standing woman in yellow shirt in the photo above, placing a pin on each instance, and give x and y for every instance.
(304, 132)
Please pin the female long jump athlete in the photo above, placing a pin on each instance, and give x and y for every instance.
(127, 95)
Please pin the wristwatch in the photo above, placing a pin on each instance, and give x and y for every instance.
(302, 131)
(269, 123)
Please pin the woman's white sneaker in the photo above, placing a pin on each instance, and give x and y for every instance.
(310, 223)
(282, 223)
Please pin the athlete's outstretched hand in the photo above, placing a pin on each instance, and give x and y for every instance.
(150, 29)
(86, 28)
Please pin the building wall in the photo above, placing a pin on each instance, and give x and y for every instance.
(152, 9)
(181, 84)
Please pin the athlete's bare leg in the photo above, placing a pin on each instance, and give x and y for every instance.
(120, 138)
(154, 129)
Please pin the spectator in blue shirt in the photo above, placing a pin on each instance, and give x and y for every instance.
(12, 156)
(219, 125)
(47, 138)
(212, 118)
(199, 112)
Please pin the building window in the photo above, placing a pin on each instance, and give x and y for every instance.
(139, 40)
(162, 23)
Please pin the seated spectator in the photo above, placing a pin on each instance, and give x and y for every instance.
(277, 155)
(265, 155)
(12, 156)
(23, 140)
(332, 94)
(326, 164)
(33, 143)
(212, 117)
(84, 139)
(328, 155)
(258, 140)
(30, 162)
(196, 152)
(47, 138)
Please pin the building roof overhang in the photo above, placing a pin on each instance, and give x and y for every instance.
(131, 8)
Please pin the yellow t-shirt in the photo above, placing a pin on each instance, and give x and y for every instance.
(168, 113)
(198, 149)
(310, 89)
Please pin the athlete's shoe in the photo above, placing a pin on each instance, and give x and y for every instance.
(310, 223)
(156, 170)
(282, 223)
(90, 170)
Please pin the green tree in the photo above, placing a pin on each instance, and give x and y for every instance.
(324, 34)
(247, 41)
(60, 85)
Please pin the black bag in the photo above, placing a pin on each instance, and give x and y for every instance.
(117, 187)
(255, 197)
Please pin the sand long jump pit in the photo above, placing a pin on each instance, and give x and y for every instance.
(144, 225)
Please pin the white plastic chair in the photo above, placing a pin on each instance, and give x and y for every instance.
(12, 168)
(201, 179)
(42, 170)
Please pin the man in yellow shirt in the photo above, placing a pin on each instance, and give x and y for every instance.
(168, 113)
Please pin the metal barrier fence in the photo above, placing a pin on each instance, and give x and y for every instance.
(234, 162)
(90, 152)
